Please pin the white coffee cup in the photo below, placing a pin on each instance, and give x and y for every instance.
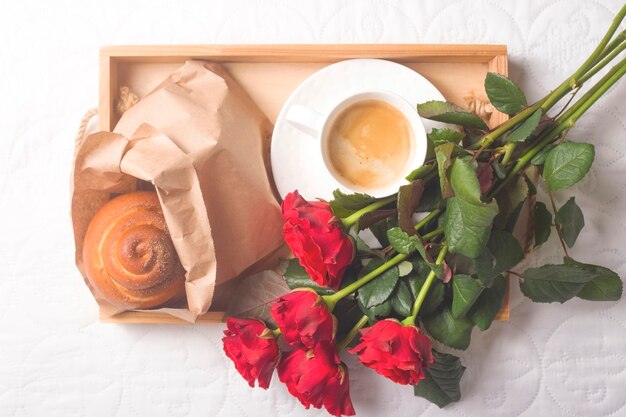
(319, 124)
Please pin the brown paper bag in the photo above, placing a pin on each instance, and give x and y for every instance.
(204, 145)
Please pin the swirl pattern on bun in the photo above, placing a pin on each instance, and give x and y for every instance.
(128, 255)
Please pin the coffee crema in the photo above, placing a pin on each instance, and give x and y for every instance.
(369, 144)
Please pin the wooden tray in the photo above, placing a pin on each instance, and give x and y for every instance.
(458, 71)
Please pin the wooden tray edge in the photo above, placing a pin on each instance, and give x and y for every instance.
(495, 55)
(141, 317)
(308, 52)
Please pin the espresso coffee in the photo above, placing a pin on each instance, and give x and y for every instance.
(368, 144)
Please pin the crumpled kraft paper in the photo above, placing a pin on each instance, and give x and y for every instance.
(204, 145)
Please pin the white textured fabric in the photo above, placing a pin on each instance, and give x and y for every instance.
(57, 360)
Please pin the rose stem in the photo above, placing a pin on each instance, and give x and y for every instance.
(574, 81)
(509, 148)
(333, 299)
(350, 220)
(433, 234)
(426, 219)
(352, 333)
(410, 320)
(600, 57)
(486, 140)
(557, 226)
(354, 217)
(618, 48)
(566, 121)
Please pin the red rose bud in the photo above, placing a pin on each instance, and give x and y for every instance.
(400, 353)
(253, 349)
(303, 318)
(317, 239)
(317, 378)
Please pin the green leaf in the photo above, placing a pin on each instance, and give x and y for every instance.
(442, 111)
(405, 244)
(297, 277)
(348, 314)
(468, 220)
(375, 312)
(488, 304)
(484, 267)
(526, 128)
(440, 136)
(368, 219)
(444, 160)
(550, 283)
(570, 220)
(530, 185)
(380, 288)
(511, 221)
(402, 242)
(442, 380)
(540, 157)
(420, 267)
(442, 219)
(467, 226)
(459, 151)
(255, 295)
(365, 303)
(437, 269)
(344, 204)
(431, 198)
(510, 202)
(515, 192)
(405, 268)
(465, 292)
(408, 199)
(464, 180)
(402, 301)
(455, 333)
(607, 286)
(379, 229)
(435, 295)
(504, 94)
(502, 253)
(543, 223)
(421, 172)
(567, 164)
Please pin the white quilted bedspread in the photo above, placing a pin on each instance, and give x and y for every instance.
(57, 360)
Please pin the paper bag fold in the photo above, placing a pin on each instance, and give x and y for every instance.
(204, 145)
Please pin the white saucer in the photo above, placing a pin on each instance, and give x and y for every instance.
(297, 162)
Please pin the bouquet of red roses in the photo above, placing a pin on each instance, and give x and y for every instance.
(446, 249)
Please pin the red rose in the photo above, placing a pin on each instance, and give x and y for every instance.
(317, 239)
(253, 349)
(302, 317)
(400, 353)
(316, 377)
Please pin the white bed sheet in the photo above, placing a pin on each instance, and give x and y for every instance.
(57, 360)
